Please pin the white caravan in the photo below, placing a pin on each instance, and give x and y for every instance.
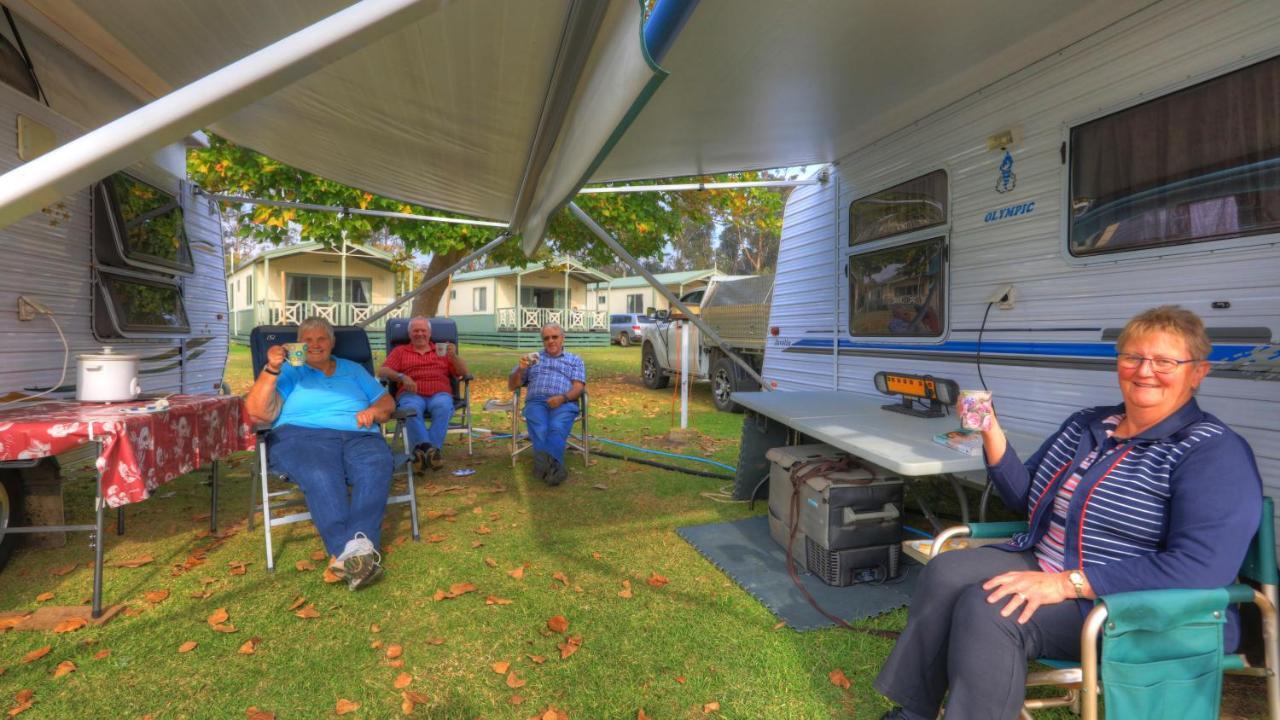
(1006, 237)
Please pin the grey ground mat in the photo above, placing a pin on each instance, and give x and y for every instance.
(746, 553)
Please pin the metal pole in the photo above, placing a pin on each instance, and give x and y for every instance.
(353, 211)
(835, 313)
(678, 187)
(119, 143)
(666, 293)
(342, 292)
(100, 511)
(435, 279)
(684, 375)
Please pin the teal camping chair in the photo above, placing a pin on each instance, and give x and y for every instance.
(1161, 649)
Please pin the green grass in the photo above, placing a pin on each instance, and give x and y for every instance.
(668, 650)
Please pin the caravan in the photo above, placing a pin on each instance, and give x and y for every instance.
(1004, 239)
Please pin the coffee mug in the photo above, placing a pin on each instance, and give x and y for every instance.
(974, 408)
(532, 358)
(442, 348)
(296, 353)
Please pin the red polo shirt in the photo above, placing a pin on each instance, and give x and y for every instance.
(430, 371)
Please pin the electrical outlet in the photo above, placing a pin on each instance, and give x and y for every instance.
(28, 308)
(1003, 298)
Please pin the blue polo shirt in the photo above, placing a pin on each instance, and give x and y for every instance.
(554, 375)
(314, 400)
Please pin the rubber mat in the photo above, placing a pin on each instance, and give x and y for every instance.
(743, 550)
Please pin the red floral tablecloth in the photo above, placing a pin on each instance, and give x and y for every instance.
(142, 447)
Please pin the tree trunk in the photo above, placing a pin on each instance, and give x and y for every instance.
(428, 302)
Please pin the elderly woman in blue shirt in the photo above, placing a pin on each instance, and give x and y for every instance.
(556, 380)
(324, 437)
(1153, 493)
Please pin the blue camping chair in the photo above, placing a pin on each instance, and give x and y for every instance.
(442, 330)
(1157, 621)
(351, 343)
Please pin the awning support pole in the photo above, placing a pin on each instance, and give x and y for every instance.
(627, 258)
(432, 281)
(124, 141)
(242, 200)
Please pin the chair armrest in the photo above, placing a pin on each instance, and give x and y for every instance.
(402, 414)
(468, 377)
(996, 529)
(261, 428)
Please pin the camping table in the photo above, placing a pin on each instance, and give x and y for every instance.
(140, 447)
(859, 425)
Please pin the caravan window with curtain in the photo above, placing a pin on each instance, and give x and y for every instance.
(899, 291)
(913, 205)
(1199, 164)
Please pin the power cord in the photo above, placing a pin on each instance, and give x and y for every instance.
(66, 356)
(982, 328)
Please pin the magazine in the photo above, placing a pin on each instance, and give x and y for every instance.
(969, 443)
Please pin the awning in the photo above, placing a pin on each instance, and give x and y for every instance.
(491, 108)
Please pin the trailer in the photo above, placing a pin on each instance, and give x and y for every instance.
(1003, 240)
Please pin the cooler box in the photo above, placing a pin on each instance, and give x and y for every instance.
(850, 524)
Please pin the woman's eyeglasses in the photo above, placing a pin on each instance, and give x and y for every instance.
(550, 337)
(1164, 366)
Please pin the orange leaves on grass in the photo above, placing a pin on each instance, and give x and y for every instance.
(66, 667)
(238, 567)
(501, 667)
(557, 575)
(557, 623)
(483, 530)
(838, 678)
(44, 597)
(551, 713)
(570, 646)
(436, 538)
(319, 555)
(188, 646)
(657, 580)
(394, 651)
(25, 699)
(625, 592)
(711, 707)
(491, 562)
(514, 682)
(102, 654)
(304, 566)
(495, 600)
(455, 590)
(36, 654)
(517, 573)
(70, 625)
(250, 646)
(253, 713)
(297, 603)
(218, 621)
(537, 659)
(375, 628)
(345, 706)
(155, 596)
(640, 715)
(410, 699)
(136, 562)
(403, 680)
(330, 576)
(62, 570)
(308, 613)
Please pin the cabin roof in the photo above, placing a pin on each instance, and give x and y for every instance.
(671, 278)
(578, 270)
(357, 251)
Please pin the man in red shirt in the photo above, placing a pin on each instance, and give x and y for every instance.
(422, 369)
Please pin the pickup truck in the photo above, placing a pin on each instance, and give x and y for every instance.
(738, 311)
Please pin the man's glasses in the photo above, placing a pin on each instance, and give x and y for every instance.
(1164, 366)
(550, 337)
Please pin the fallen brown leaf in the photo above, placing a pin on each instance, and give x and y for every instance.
(102, 654)
(558, 623)
(518, 573)
(250, 646)
(218, 617)
(62, 570)
(319, 555)
(253, 713)
(375, 644)
(625, 592)
(237, 567)
(491, 562)
(419, 698)
(711, 707)
(680, 679)
(551, 713)
(398, 663)
(495, 600)
(155, 596)
(597, 556)
(516, 699)
(188, 646)
(69, 625)
(435, 641)
(297, 603)
(483, 530)
(44, 597)
(346, 706)
(136, 562)
(657, 580)
(224, 628)
(394, 651)
(476, 544)
(838, 678)
(557, 575)
(537, 659)
(513, 681)
(780, 624)
(402, 681)
(304, 566)
(570, 646)
(436, 538)
(375, 628)
(641, 716)
(308, 613)
(501, 667)
(66, 667)
(330, 577)
(24, 695)
(36, 654)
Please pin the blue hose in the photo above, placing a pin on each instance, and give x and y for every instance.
(694, 458)
(918, 532)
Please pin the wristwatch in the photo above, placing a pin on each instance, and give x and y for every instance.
(1076, 578)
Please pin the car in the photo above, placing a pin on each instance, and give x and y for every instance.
(626, 328)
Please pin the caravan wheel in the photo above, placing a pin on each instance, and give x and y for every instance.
(10, 510)
(722, 384)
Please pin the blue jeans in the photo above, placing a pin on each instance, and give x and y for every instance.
(324, 463)
(548, 428)
(439, 406)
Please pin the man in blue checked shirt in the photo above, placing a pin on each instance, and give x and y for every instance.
(556, 379)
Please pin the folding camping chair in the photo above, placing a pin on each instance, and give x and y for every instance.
(1182, 610)
(351, 343)
(520, 440)
(442, 330)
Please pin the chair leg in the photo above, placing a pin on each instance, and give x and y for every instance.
(413, 493)
(253, 502)
(213, 497)
(1271, 653)
(266, 508)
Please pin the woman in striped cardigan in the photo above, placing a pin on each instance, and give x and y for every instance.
(1152, 493)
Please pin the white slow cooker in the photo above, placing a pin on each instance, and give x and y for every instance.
(107, 377)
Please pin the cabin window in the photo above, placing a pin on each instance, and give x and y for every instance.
(479, 299)
(131, 305)
(635, 303)
(137, 225)
(1197, 165)
(453, 294)
(898, 291)
(602, 299)
(323, 289)
(913, 205)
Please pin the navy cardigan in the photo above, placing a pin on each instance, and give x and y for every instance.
(1172, 507)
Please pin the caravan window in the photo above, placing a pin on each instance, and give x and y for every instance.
(912, 205)
(138, 225)
(1199, 164)
(898, 291)
(127, 305)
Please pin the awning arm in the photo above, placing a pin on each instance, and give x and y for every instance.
(676, 187)
(124, 141)
(353, 211)
(436, 279)
(627, 258)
